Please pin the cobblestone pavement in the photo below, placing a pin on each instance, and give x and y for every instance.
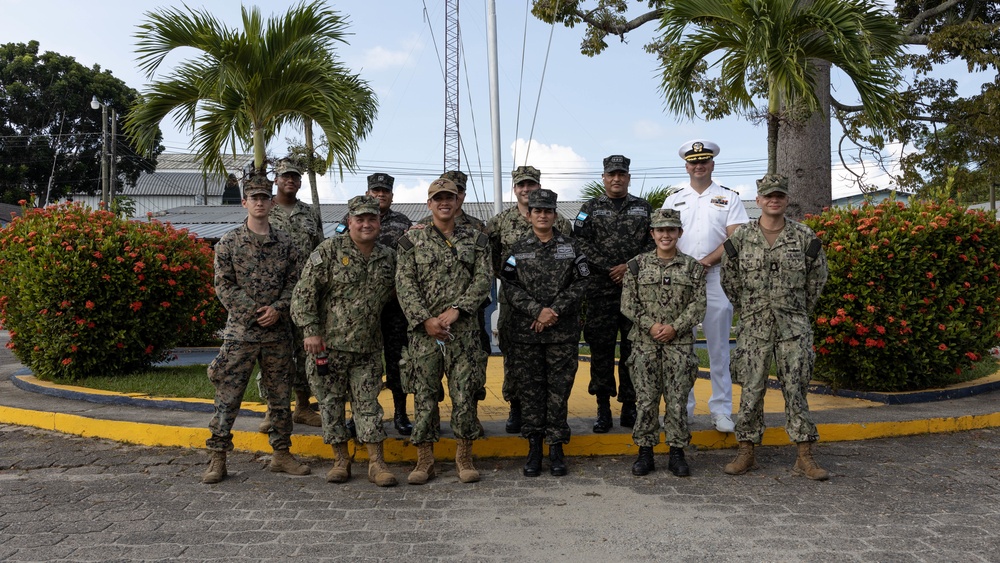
(926, 498)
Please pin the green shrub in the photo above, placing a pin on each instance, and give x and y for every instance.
(913, 294)
(87, 293)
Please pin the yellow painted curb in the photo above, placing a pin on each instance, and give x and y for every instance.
(397, 450)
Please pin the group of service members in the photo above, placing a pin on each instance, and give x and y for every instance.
(631, 277)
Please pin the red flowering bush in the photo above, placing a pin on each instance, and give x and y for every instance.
(87, 293)
(913, 295)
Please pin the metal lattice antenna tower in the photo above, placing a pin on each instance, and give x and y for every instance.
(452, 141)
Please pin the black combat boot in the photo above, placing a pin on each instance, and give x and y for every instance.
(644, 463)
(628, 414)
(677, 465)
(557, 463)
(603, 422)
(533, 466)
(399, 420)
(514, 419)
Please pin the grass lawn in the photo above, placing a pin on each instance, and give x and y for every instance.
(180, 381)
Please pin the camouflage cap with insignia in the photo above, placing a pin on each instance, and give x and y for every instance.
(616, 162)
(362, 204)
(666, 218)
(380, 180)
(256, 184)
(771, 183)
(699, 150)
(288, 166)
(457, 176)
(542, 199)
(522, 173)
(441, 185)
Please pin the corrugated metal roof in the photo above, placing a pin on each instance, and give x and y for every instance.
(176, 183)
(179, 161)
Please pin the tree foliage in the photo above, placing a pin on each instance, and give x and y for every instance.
(48, 129)
(956, 137)
(778, 42)
(246, 84)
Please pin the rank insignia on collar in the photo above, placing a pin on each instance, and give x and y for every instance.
(666, 280)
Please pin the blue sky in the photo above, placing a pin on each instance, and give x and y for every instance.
(587, 108)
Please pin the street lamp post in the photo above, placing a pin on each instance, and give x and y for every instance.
(107, 160)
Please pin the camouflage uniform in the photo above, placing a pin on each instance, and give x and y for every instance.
(253, 271)
(464, 219)
(433, 274)
(505, 229)
(300, 223)
(394, 225)
(340, 297)
(609, 236)
(668, 292)
(773, 290)
(536, 275)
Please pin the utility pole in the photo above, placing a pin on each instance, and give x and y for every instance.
(452, 44)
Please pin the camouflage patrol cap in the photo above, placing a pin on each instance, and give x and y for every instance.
(287, 166)
(542, 199)
(771, 183)
(362, 204)
(616, 162)
(666, 218)
(256, 184)
(380, 180)
(522, 173)
(457, 176)
(441, 185)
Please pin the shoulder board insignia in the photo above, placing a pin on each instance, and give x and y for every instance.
(671, 191)
(725, 188)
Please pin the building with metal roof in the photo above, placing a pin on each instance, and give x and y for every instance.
(178, 181)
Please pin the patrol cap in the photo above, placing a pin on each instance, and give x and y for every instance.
(522, 173)
(286, 166)
(441, 185)
(698, 150)
(666, 218)
(457, 176)
(380, 180)
(616, 162)
(362, 204)
(256, 184)
(542, 199)
(771, 183)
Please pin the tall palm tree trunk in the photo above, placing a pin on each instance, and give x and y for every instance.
(308, 125)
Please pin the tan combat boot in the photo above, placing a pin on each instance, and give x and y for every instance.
(378, 471)
(744, 460)
(463, 462)
(216, 469)
(806, 465)
(303, 414)
(283, 462)
(265, 425)
(424, 471)
(341, 470)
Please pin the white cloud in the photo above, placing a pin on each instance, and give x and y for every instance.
(648, 130)
(561, 167)
(382, 58)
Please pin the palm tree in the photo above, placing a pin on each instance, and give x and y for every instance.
(246, 84)
(778, 41)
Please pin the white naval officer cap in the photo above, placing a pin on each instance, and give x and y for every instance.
(698, 150)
